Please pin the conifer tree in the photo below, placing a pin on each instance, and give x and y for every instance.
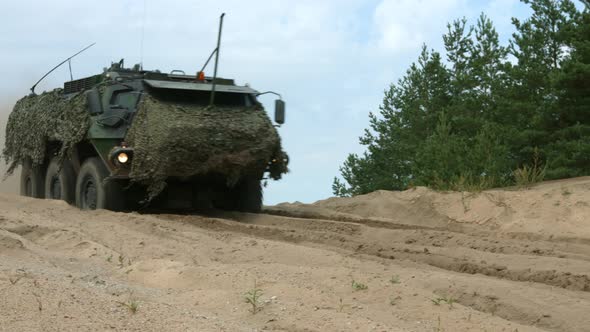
(472, 122)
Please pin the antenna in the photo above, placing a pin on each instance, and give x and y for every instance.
(216, 59)
(61, 63)
(70, 65)
(142, 35)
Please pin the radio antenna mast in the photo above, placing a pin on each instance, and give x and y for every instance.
(142, 35)
(61, 63)
(216, 60)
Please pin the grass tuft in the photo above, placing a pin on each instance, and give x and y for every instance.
(447, 300)
(394, 280)
(526, 176)
(394, 300)
(252, 297)
(359, 286)
(132, 305)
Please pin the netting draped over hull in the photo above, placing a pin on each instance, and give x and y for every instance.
(36, 120)
(188, 140)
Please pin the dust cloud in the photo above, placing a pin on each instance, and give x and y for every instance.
(11, 184)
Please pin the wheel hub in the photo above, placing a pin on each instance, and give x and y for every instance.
(28, 187)
(89, 195)
(55, 188)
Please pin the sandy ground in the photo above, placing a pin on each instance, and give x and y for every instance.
(501, 260)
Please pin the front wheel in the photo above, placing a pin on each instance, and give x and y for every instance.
(92, 192)
(250, 195)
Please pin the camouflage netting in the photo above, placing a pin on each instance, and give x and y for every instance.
(185, 140)
(168, 139)
(35, 120)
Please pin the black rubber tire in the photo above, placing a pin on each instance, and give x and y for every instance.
(245, 196)
(92, 192)
(60, 185)
(32, 181)
(249, 195)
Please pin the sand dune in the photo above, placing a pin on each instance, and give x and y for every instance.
(501, 260)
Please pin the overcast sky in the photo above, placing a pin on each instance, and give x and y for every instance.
(330, 59)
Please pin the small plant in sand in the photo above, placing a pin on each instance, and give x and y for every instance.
(359, 286)
(450, 301)
(467, 182)
(394, 280)
(14, 280)
(437, 301)
(131, 305)
(252, 297)
(39, 303)
(526, 176)
(447, 300)
(394, 300)
(439, 327)
(122, 261)
(342, 305)
(17, 276)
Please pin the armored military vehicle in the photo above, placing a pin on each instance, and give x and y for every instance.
(130, 137)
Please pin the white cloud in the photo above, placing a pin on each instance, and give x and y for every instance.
(403, 25)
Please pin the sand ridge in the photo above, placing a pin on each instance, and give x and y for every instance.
(431, 262)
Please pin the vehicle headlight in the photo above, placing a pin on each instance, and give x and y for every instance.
(122, 157)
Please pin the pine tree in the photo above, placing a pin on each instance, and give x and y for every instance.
(540, 45)
(470, 124)
(568, 150)
(407, 116)
(467, 146)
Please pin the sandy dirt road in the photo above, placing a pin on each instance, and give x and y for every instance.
(504, 260)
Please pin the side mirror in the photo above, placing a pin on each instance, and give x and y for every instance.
(279, 111)
(94, 104)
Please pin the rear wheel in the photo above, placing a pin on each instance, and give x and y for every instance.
(60, 185)
(92, 192)
(32, 182)
(245, 196)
